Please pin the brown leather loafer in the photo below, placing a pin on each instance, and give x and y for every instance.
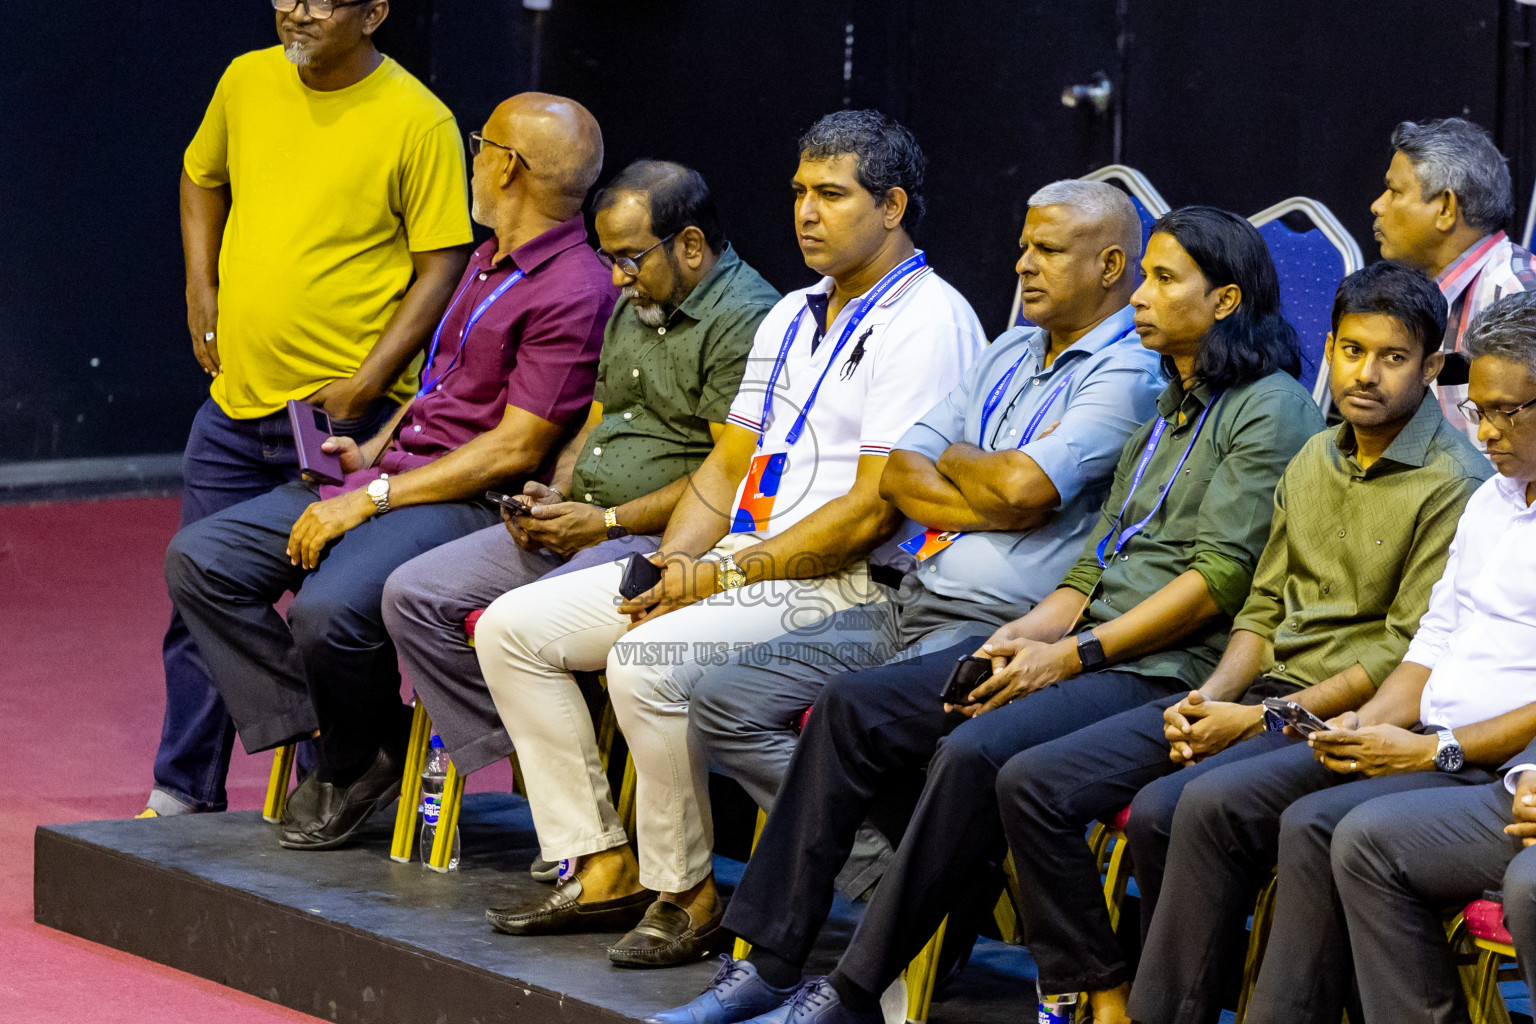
(666, 937)
(559, 913)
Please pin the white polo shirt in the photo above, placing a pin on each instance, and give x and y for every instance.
(1478, 637)
(909, 351)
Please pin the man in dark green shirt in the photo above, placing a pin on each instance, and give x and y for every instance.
(673, 356)
(1363, 518)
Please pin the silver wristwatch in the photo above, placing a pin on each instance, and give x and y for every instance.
(730, 575)
(1448, 755)
(378, 490)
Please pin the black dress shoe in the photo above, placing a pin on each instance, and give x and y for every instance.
(301, 813)
(666, 937)
(340, 811)
(560, 914)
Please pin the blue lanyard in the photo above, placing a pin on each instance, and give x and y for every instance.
(871, 298)
(995, 396)
(1124, 536)
(474, 318)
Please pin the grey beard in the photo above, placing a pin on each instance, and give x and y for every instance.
(654, 315)
(298, 54)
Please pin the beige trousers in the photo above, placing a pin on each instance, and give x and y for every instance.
(530, 642)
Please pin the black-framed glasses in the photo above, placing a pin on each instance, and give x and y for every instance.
(320, 10)
(631, 264)
(477, 142)
(1500, 418)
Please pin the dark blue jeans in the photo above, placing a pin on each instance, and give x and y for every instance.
(227, 461)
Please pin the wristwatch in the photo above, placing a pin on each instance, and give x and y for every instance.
(378, 490)
(729, 575)
(611, 520)
(1448, 755)
(1089, 651)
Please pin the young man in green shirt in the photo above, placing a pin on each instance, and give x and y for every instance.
(1362, 521)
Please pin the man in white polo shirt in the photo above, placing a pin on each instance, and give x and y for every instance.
(777, 531)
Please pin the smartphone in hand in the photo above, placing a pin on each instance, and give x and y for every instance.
(640, 575)
(511, 504)
(969, 672)
(311, 428)
(1288, 712)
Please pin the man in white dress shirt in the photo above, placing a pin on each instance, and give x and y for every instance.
(780, 528)
(1462, 703)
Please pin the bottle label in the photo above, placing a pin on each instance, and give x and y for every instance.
(1052, 1012)
(430, 806)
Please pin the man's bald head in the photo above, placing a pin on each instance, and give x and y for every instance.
(560, 143)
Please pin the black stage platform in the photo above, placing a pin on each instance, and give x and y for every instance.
(349, 935)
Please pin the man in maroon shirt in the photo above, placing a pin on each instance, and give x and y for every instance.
(509, 373)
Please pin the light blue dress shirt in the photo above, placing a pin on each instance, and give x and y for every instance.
(1114, 388)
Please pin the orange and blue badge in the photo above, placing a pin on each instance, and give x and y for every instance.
(925, 545)
(759, 493)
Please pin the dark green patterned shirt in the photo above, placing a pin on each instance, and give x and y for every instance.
(1353, 552)
(661, 387)
(1216, 516)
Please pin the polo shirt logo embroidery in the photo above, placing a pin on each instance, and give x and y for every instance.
(857, 355)
(760, 492)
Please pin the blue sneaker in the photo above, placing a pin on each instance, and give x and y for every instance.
(816, 1002)
(735, 994)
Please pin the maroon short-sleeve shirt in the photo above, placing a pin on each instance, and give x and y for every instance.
(536, 348)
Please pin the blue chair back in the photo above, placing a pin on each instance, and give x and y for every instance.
(1312, 253)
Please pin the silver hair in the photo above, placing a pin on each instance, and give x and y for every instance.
(1506, 329)
(1101, 202)
(1458, 155)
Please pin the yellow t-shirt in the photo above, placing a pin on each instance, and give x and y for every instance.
(331, 193)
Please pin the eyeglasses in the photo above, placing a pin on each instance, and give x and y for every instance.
(631, 264)
(477, 142)
(1500, 419)
(320, 10)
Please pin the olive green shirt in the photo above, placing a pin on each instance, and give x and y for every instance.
(661, 387)
(1353, 552)
(1216, 516)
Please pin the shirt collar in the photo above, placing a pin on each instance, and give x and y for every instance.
(1512, 491)
(824, 287)
(1411, 445)
(1108, 331)
(1174, 396)
(538, 250)
(1463, 270)
(709, 291)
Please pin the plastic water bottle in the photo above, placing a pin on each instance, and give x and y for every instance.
(433, 775)
(1057, 1009)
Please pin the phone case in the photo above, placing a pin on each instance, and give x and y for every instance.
(640, 575)
(311, 427)
(969, 672)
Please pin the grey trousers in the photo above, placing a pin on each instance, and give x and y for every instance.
(426, 601)
(1399, 862)
(745, 710)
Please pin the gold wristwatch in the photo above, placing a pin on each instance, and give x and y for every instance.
(611, 521)
(730, 575)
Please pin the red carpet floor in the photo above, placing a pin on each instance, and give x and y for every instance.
(82, 610)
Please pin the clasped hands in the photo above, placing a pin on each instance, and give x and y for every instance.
(1020, 666)
(1524, 827)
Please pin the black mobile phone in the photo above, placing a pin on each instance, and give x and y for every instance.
(969, 673)
(511, 504)
(1294, 715)
(640, 575)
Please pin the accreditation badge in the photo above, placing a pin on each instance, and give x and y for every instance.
(759, 493)
(925, 545)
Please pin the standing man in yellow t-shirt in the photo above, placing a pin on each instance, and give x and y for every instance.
(324, 219)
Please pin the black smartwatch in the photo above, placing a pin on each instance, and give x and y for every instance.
(1089, 651)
